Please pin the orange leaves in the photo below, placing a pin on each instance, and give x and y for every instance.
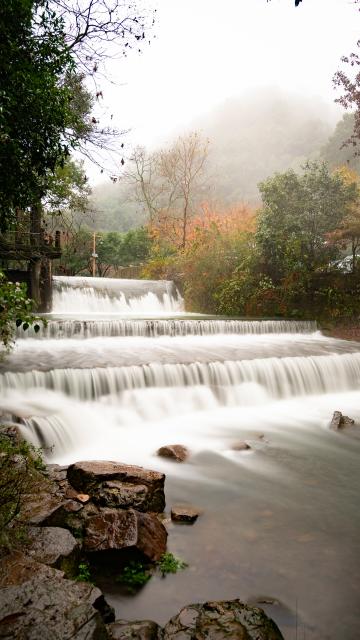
(209, 222)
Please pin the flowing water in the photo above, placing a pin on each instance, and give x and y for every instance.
(121, 370)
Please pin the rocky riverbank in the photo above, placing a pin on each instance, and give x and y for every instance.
(104, 511)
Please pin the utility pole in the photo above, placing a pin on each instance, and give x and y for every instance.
(94, 255)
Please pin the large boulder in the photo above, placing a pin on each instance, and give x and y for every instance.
(37, 602)
(130, 530)
(220, 620)
(55, 547)
(137, 630)
(112, 484)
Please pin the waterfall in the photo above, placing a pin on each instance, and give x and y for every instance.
(154, 328)
(82, 295)
(281, 377)
(121, 370)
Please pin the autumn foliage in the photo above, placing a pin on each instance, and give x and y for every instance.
(218, 240)
(283, 259)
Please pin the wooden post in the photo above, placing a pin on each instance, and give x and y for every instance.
(45, 286)
(94, 255)
(34, 279)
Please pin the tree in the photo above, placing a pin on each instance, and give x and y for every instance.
(170, 184)
(66, 204)
(143, 178)
(35, 102)
(298, 211)
(335, 152)
(349, 83)
(121, 249)
(91, 25)
(348, 231)
(181, 169)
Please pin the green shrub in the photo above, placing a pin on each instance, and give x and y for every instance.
(84, 574)
(134, 575)
(20, 464)
(170, 564)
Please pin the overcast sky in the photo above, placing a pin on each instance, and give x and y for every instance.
(206, 51)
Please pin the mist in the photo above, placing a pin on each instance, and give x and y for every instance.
(250, 138)
(260, 133)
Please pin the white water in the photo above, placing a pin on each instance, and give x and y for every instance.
(154, 328)
(281, 519)
(106, 296)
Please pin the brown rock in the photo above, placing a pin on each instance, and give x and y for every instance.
(139, 630)
(220, 620)
(176, 452)
(114, 493)
(118, 485)
(55, 547)
(39, 508)
(240, 446)
(37, 602)
(117, 529)
(183, 513)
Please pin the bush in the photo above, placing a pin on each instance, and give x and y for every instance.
(15, 310)
(20, 464)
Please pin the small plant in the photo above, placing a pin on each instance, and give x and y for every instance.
(19, 476)
(84, 574)
(170, 564)
(134, 575)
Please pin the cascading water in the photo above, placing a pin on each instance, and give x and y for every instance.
(81, 295)
(108, 379)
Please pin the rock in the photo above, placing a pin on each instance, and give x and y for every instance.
(59, 517)
(176, 452)
(183, 513)
(83, 497)
(114, 484)
(139, 630)
(220, 620)
(339, 421)
(117, 529)
(114, 493)
(56, 472)
(55, 547)
(336, 420)
(37, 602)
(40, 507)
(12, 432)
(240, 446)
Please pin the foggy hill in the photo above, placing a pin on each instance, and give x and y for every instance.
(263, 132)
